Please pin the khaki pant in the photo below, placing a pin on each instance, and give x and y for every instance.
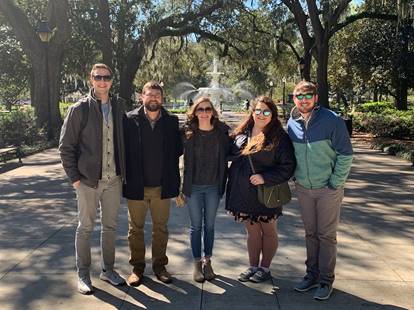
(320, 210)
(160, 212)
(107, 197)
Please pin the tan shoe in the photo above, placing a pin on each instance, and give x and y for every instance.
(208, 270)
(198, 275)
(164, 276)
(135, 278)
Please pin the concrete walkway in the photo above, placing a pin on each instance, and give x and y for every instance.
(375, 252)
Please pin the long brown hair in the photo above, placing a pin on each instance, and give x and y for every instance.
(192, 120)
(271, 134)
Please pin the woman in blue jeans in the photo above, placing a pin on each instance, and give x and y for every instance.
(206, 145)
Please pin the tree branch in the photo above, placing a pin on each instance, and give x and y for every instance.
(333, 19)
(314, 17)
(23, 30)
(362, 15)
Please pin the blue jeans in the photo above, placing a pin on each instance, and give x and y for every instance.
(202, 203)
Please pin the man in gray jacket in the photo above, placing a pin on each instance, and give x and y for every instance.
(92, 153)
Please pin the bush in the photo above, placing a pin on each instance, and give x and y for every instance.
(63, 107)
(18, 127)
(389, 123)
(402, 150)
(375, 107)
(178, 111)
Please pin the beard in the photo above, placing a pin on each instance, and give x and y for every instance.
(306, 108)
(152, 106)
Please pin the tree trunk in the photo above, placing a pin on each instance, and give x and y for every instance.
(322, 73)
(127, 76)
(375, 94)
(307, 61)
(55, 56)
(105, 33)
(401, 95)
(46, 59)
(46, 67)
(402, 82)
(40, 89)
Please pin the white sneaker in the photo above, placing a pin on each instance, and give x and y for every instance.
(112, 277)
(85, 285)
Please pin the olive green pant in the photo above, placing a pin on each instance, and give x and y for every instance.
(160, 212)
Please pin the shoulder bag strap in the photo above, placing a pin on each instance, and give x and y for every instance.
(248, 156)
(251, 164)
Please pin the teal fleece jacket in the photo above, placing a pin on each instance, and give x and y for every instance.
(323, 149)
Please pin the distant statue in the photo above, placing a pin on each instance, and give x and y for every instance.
(246, 104)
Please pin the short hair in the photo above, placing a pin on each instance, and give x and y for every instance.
(101, 66)
(152, 85)
(305, 86)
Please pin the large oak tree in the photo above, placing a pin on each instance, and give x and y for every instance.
(45, 58)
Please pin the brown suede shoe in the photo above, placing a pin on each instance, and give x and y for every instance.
(135, 278)
(164, 276)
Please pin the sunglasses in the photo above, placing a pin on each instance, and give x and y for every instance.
(206, 110)
(105, 78)
(264, 112)
(302, 96)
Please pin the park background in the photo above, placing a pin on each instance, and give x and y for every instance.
(360, 53)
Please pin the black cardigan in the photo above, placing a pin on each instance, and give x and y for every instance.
(224, 146)
(172, 150)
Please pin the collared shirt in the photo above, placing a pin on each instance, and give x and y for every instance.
(106, 109)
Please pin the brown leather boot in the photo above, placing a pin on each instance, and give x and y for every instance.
(208, 270)
(198, 272)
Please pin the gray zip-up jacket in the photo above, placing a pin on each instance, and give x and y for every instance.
(81, 148)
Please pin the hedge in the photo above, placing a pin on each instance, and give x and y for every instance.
(383, 120)
(18, 127)
(375, 107)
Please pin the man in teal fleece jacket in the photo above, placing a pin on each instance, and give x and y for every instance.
(323, 153)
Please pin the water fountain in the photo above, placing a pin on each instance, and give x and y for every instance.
(217, 92)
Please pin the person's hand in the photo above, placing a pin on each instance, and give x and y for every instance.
(76, 184)
(256, 179)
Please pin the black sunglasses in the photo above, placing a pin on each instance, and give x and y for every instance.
(207, 110)
(105, 78)
(301, 96)
(264, 112)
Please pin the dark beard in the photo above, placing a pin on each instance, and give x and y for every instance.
(153, 107)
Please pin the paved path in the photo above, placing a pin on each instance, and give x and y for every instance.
(375, 253)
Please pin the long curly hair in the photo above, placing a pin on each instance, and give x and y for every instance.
(271, 134)
(191, 124)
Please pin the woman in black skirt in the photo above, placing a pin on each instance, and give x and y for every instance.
(262, 137)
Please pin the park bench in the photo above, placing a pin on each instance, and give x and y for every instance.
(10, 152)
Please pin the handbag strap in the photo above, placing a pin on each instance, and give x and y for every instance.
(251, 164)
(248, 156)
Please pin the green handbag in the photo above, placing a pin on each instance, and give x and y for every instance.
(272, 196)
